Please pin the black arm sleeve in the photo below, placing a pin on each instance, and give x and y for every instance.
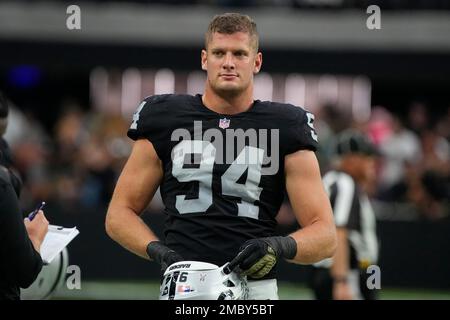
(20, 263)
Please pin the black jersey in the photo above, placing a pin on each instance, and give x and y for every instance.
(223, 174)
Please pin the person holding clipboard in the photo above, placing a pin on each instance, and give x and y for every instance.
(20, 241)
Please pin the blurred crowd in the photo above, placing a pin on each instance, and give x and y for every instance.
(75, 163)
(414, 162)
(301, 4)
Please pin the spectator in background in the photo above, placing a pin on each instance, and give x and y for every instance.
(418, 119)
(90, 151)
(429, 182)
(70, 134)
(29, 150)
(101, 157)
(400, 149)
(344, 276)
(329, 121)
(436, 152)
(443, 126)
(416, 164)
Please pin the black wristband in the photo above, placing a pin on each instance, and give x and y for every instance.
(285, 247)
(156, 250)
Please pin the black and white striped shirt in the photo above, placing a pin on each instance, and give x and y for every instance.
(352, 210)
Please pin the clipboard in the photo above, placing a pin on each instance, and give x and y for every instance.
(56, 239)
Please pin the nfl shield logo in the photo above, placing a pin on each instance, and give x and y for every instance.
(224, 123)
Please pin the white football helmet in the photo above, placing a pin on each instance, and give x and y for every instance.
(195, 280)
(51, 279)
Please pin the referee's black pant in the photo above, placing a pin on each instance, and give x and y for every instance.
(321, 282)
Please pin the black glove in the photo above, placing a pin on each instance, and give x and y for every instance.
(258, 256)
(165, 256)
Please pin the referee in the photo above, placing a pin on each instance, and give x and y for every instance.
(20, 241)
(344, 276)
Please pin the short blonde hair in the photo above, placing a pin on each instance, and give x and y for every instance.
(229, 23)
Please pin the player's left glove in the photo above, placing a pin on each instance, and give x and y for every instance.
(258, 256)
(160, 253)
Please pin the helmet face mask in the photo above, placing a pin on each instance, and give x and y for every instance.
(195, 280)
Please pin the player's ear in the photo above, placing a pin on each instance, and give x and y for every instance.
(258, 63)
(204, 60)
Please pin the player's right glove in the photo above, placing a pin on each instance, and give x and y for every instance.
(258, 256)
(162, 254)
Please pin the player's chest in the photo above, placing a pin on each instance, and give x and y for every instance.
(226, 145)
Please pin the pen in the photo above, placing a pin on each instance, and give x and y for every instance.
(34, 213)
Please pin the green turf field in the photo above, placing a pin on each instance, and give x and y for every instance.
(149, 290)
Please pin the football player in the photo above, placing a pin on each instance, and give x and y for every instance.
(222, 161)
